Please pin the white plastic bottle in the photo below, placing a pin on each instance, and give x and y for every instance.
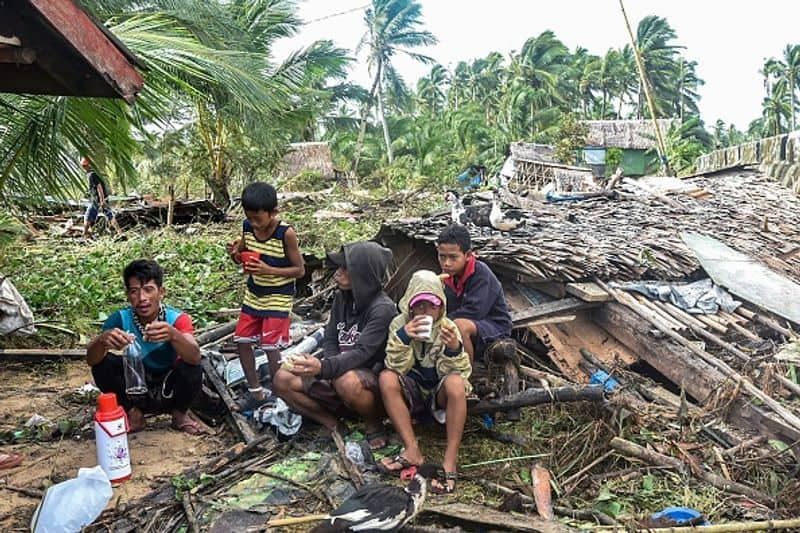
(111, 437)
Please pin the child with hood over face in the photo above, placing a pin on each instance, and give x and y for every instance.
(426, 376)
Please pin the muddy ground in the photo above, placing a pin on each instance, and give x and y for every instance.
(47, 389)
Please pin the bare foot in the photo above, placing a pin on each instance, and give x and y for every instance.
(136, 420)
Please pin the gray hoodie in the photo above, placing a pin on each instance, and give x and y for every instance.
(355, 336)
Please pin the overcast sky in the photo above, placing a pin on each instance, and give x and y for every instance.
(729, 40)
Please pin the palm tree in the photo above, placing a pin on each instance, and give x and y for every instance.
(791, 71)
(393, 26)
(211, 56)
(653, 39)
(775, 108)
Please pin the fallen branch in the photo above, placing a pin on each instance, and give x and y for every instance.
(188, 510)
(40, 353)
(652, 457)
(234, 418)
(215, 334)
(352, 471)
(31, 493)
(598, 516)
(530, 397)
(478, 514)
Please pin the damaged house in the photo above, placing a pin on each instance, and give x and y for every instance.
(635, 140)
(683, 291)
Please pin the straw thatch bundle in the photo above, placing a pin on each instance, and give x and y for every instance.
(626, 134)
(307, 156)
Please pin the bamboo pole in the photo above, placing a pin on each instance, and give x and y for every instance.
(646, 86)
(731, 527)
(625, 299)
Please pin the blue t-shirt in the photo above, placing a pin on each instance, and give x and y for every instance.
(158, 356)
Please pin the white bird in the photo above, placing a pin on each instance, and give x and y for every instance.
(504, 221)
(380, 507)
(457, 209)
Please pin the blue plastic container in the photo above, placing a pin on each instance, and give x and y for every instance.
(602, 378)
(680, 514)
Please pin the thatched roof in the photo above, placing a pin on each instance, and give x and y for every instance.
(533, 152)
(627, 134)
(635, 237)
(307, 156)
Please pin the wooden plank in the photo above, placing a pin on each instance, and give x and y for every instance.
(556, 290)
(496, 520)
(588, 292)
(237, 422)
(530, 397)
(557, 307)
(674, 361)
(567, 339)
(41, 353)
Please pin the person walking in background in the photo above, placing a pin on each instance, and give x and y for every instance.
(98, 197)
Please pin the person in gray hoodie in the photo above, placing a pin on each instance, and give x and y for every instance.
(343, 381)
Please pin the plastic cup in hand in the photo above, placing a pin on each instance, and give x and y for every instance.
(425, 334)
(133, 363)
(248, 256)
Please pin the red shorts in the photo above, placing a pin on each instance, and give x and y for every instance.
(270, 332)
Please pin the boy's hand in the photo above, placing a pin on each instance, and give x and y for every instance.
(234, 250)
(116, 339)
(258, 267)
(450, 337)
(305, 365)
(416, 325)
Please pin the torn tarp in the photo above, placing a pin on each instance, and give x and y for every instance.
(699, 297)
(15, 315)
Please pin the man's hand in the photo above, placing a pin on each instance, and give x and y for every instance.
(417, 325)
(258, 267)
(305, 365)
(450, 337)
(116, 339)
(159, 332)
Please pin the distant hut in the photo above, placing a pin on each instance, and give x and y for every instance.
(636, 139)
(307, 156)
(533, 167)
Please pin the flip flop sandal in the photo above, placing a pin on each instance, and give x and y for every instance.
(444, 483)
(251, 403)
(398, 459)
(188, 426)
(381, 436)
(10, 460)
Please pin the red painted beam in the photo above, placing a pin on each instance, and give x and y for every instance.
(71, 22)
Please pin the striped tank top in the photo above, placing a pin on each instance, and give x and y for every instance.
(268, 296)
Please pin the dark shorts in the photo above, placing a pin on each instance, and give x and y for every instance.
(421, 402)
(323, 391)
(488, 332)
(93, 210)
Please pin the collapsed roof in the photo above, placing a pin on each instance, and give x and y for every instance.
(53, 47)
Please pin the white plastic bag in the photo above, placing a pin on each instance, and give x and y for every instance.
(70, 505)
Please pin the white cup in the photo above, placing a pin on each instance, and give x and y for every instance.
(425, 334)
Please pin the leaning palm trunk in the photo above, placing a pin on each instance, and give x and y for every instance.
(363, 127)
(382, 117)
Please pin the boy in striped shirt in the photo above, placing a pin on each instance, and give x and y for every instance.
(264, 318)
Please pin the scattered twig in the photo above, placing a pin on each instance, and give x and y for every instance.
(506, 460)
(188, 510)
(652, 457)
(352, 471)
(576, 476)
(32, 493)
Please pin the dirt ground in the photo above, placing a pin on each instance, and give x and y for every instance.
(157, 453)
